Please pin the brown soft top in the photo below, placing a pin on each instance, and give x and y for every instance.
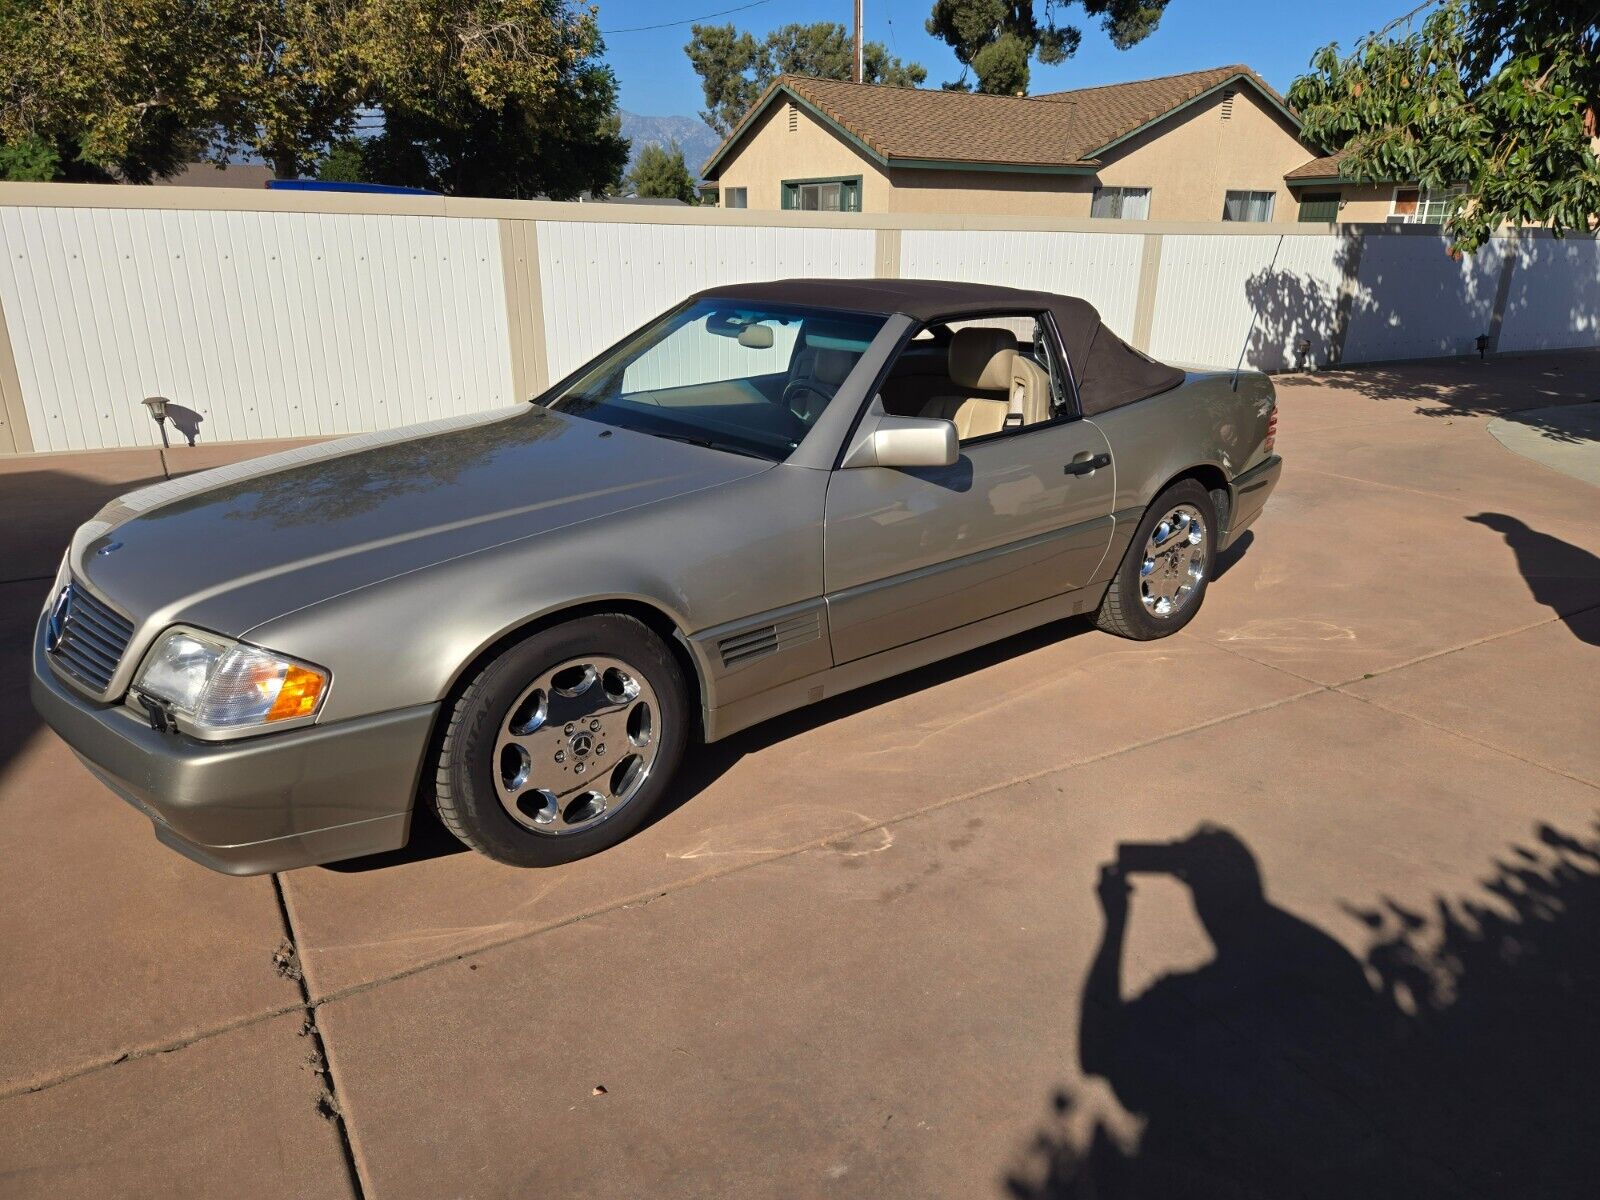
(1108, 372)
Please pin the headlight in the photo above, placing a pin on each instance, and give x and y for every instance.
(219, 684)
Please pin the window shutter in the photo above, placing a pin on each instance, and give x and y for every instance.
(1319, 208)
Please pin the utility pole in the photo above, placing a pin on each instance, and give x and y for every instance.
(860, 64)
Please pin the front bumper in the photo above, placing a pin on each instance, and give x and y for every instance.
(1250, 492)
(259, 804)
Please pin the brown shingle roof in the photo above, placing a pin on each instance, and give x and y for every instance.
(899, 122)
(1326, 167)
(1061, 129)
(1114, 110)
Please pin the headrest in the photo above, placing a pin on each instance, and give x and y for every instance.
(980, 358)
(832, 366)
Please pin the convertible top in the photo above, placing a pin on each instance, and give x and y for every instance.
(1109, 373)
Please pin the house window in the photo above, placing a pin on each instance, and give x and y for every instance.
(1319, 208)
(823, 195)
(1121, 203)
(1247, 206)
(735, 197)
(1419, 206)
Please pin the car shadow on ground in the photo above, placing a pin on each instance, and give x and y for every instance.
(703, 765)
(1459, 1057)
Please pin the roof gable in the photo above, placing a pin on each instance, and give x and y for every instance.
(1060, 131)
(1116, 112)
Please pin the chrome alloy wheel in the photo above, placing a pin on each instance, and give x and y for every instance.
(1174, 562)
(576, 746)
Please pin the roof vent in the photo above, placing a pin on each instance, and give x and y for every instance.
(794, 119)
(1227, 104)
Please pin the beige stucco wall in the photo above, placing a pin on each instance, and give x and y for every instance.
(1189, 162)
(1361, 202)
(916, 189)
(771, 153)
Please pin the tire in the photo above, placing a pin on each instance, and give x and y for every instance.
(533, 769)
(1127, 610)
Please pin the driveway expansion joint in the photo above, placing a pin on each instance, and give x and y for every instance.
(287, 961)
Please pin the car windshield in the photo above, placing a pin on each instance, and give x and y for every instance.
(751, 379)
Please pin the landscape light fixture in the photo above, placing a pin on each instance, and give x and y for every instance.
(1483, 346)
(158, 409)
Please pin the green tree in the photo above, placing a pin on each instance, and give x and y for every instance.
(98, 89)
(497, 97)
(343, 162)
(1498, 95)
(568, 146)
(660, 172)
(735, 68)
(996, 40)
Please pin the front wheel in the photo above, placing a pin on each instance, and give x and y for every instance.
(562, 745)
(1162, 580)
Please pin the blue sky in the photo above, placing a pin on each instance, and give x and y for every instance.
(1276, 37)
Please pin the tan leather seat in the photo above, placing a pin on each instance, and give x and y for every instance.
(829, 368)
(974, 417)
(1030, 390)
(986, 360)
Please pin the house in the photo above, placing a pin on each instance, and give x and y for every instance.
(1201, 146)
(1325, 194)
(1206, 145)
(226, 175)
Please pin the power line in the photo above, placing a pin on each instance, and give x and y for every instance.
(690, 21)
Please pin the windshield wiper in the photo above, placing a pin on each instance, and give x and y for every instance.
(707, 444)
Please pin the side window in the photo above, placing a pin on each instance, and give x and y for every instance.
(987, 375)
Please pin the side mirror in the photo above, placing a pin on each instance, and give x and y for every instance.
(906, 442)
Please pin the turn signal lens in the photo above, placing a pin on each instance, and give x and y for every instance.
(1272, 430)
(297, 695)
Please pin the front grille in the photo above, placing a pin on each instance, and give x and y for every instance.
(89, 638)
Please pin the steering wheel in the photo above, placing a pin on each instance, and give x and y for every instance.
(798, 388)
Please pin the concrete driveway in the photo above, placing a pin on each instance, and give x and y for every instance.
(871, 952)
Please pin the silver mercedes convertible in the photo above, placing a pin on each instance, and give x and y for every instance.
(772, 494)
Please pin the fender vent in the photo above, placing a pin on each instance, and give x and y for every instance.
(740, 648)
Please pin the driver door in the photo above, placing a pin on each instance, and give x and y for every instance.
(1022, 516)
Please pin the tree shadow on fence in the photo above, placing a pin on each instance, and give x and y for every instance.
(1460, 1058)
(1301, 322)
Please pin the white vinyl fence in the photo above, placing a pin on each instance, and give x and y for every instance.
(275, 315)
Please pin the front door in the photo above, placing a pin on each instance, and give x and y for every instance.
(1022, 516)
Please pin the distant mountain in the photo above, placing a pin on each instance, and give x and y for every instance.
(694, 137)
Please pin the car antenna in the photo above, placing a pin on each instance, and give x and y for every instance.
(1249, 333)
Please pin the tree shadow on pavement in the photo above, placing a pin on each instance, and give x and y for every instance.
(1563, 577)
(1460, 1058)
(1452, 388)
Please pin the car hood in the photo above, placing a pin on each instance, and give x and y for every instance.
(230, 548)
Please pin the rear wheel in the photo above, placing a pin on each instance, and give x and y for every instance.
(1161, 582)
(562, 745)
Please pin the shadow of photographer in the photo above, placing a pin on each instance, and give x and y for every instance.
(1459, 1059)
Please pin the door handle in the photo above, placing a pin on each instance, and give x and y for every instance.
(1086, 465)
